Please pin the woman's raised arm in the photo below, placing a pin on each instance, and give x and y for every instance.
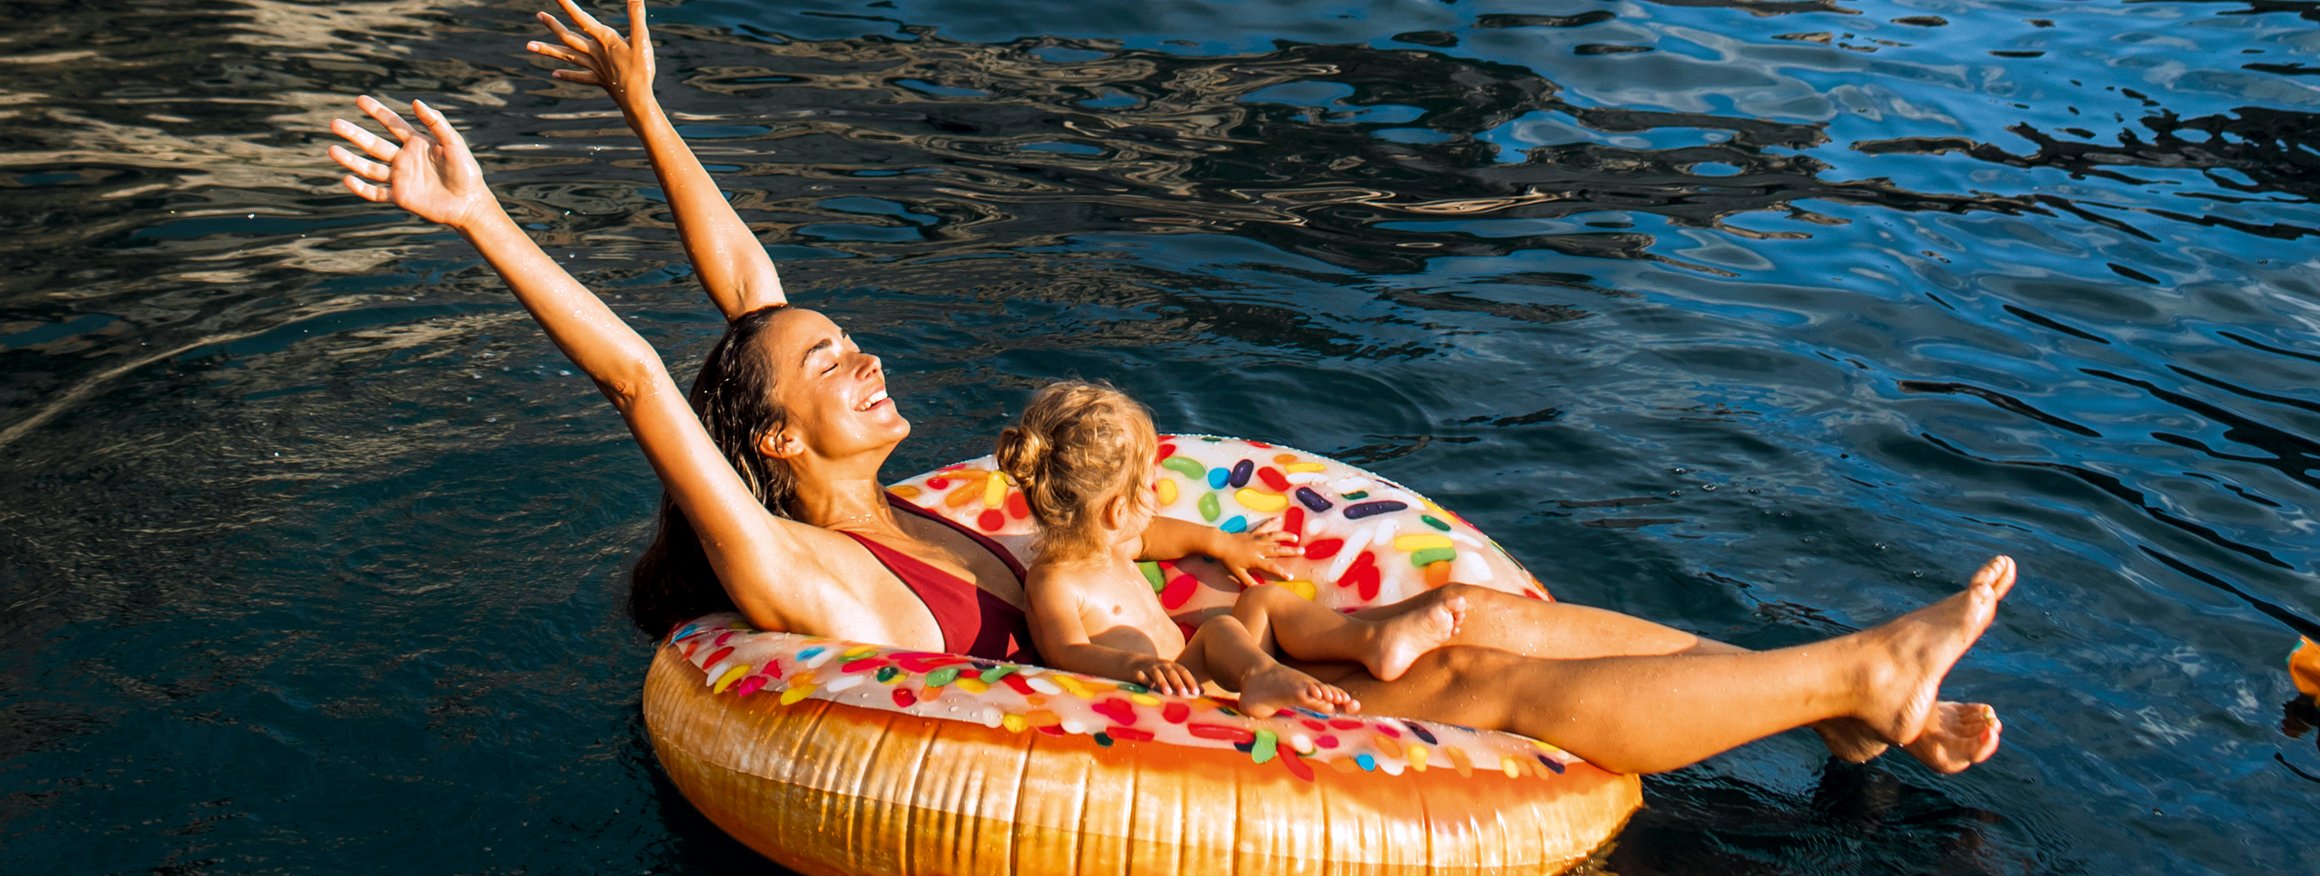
(732, 264)
(755, 553)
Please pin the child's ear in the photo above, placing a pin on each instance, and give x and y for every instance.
(1116, 511)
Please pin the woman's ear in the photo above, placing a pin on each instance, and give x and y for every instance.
(780, 444)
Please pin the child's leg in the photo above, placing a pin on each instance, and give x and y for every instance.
(1223, 651)
(1277, 618)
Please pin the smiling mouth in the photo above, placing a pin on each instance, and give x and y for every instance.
(875, 399)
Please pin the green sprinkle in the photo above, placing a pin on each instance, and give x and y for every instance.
(942, 676)
(1266, 746)
(1152, 575)
(993, 674)
(1105, 740)
(1357, 495)
(1430, 556)
(887, 673)
(1208, 507)
(1437, 524)
(1185, 466)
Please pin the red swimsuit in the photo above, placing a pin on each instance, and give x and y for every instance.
(973, 622)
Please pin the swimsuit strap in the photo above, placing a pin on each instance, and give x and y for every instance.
(973, 621)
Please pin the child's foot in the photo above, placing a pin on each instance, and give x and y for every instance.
(1902, 682)
(1404, 638)
(1272, 689)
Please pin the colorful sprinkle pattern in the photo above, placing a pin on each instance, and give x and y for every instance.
(745, 663)
(1368, 541)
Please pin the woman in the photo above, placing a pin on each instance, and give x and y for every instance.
(774, 505)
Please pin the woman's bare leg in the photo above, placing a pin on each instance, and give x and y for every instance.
(1962, 734)
(1283, 621)
(1654, 713)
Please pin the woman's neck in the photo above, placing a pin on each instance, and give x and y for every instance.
(841, 500)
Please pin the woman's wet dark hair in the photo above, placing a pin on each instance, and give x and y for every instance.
(672, 581)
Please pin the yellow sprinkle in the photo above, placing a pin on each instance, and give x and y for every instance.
(726, 680)
(1304, 466)
(1417, 756)
(994, 492)
(1301, 588)
(1386, 745)
(1167, 490)
(796, 692)
(1143, 699)
(1261, 501)
(970, 684)
(1418, 541)
(907, 491)
(1459, 762)
(858, 652)
(1511, 767)
(1546, 748)
(1074, 687)
(1014, 723)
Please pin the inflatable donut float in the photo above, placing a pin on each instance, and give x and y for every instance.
(836, 757)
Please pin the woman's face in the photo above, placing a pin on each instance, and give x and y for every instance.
(835, 393)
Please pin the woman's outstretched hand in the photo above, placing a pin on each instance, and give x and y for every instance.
(434, 177)
(622, 66)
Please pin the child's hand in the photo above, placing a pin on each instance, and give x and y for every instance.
(1256, 550)
(1166, 677)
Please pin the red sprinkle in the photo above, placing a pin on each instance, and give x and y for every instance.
(991, 520)
(1324, 548)
(1178, 591)
(1119, 710)
(1166, 450)
(862, 664)
(1016, 507)
(749, 685)
(1175, 713)
(903, 697)
(1129, 733)
(1015, 680)
(1274, 479)
(1218, 731)
(1293, 521)
(937, 483)
(715, 656)
(1295, 765)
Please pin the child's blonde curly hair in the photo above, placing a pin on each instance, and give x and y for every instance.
(1078, 446)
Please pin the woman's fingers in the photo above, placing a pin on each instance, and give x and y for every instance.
(364, 190)
(557, 52)
(384, 116)
(362, 167)
(588, 23)
(371, 143)
(584, 77)
(440, 127)
(636, 31)
(564, 34)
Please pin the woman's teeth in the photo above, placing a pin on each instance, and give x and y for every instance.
(872, 401)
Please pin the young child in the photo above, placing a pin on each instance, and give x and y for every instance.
(1083, 456)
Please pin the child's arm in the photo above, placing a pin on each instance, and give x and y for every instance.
(1061, 635)
(731, 263)
(1245, 554)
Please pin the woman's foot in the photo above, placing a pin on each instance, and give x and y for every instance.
(1902, 683)
(1269, 690)
(1404, 638)
(1958, 736)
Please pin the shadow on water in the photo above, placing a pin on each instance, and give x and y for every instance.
(1784, 312)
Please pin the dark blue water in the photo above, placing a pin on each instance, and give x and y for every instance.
(312, 549)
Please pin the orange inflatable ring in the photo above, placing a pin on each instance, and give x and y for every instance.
(837, 757)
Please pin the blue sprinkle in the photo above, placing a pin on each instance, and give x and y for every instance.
(1217, 478)
(1241, 471)
(1368, 763)
(1367, 509)
(1238, 523)
(687, 631)
(1312, 500)
(808, 654)
(1421, 732)
(1244, 747)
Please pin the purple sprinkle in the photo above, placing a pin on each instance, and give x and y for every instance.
(1551, 764)
(1366, 509)
(1421, 732)
(1312, 499)
(1241, 471)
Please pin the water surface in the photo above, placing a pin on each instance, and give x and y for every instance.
(312, 549)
